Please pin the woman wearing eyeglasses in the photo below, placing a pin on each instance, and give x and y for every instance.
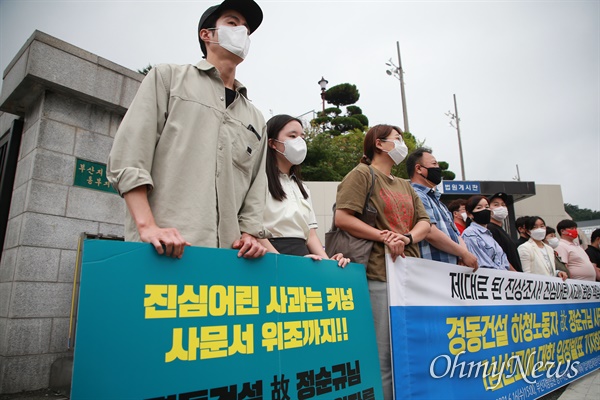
(401, 223)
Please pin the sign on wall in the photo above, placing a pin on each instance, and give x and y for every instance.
(214, 326)
(461, 187)
(490, 334)
(92, 175)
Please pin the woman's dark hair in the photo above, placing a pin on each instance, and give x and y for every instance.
(274, 126)
(473, 201)
(530, 223)
(376, 132)
(550, 230)
(470, 205)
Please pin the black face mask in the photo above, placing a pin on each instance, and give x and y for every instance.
(482, 217)
(434, 175)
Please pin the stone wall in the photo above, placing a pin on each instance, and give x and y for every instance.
(71, 102)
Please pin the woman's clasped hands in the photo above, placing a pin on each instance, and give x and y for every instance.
(395, 243)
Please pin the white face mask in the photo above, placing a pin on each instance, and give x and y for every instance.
(294, 150)
(399, 152)
(500, 213)
(463, 215)
(234, 39)
(538, 234)
(553, 242)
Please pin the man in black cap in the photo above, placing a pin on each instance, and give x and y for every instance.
(498, 204)
(189, 154)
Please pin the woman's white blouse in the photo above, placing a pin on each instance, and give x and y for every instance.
(294, 216)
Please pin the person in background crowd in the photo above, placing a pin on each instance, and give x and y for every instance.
(479, 239)
(289, 215)
(552, 241)
(498, 204)
(443, 242)
(457, 208)
(520, 225)
(401, 224)
(188, 157)
(569, 250)
(583, 239)
(536, 256)
(593, 252)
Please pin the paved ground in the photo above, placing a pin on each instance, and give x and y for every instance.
(42, 394)
(587, 388)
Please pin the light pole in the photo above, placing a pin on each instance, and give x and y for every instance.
(323, 83)
(398, 73)
(455, 120)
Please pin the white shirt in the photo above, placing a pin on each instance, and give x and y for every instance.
(294, 216)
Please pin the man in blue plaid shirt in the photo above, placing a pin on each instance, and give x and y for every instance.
(443, 243)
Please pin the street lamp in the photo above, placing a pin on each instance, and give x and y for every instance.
(323, 83)
(397, 72)
(455, 123)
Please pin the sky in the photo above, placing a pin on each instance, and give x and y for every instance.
(526, 74)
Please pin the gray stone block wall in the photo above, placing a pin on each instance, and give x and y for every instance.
(71, 102)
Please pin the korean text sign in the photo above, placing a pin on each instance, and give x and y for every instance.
(489, 334)
(214, 326)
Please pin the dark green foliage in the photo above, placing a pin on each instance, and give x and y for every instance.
(353, 110)
(331, 157)
(448, 175)
(332, 111)
(145, 70)
(320, 121)
(344, 124)
(362, 119)
(581, 214)
(342, 94)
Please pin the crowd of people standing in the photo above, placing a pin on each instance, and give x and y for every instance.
(198, 166)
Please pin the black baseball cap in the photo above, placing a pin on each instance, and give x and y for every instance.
(248, 8)
(500, 195)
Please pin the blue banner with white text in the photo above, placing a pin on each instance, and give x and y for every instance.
(489, 334)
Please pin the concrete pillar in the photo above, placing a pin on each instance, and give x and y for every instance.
(71, 102)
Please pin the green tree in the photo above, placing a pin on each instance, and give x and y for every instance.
(335, 141)
(342, 94)
(331, 121)
(330, 158)
(581, 214)
(446, 174)
(145, 70)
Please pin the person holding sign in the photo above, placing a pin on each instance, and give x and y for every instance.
(289, 215)
(479, 239)
(401, 224)
(188, 157)
(536, 256)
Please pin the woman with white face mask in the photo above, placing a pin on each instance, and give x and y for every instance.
(400, 224)
(552, 241)
(289, 215)
(536, 256)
